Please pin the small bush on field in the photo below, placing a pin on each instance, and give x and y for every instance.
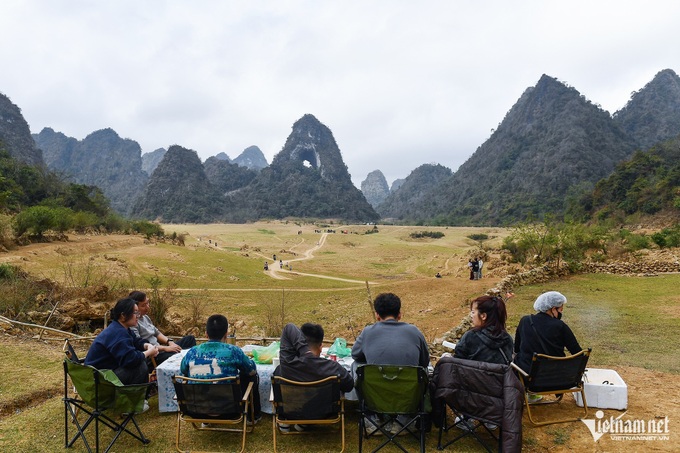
(275, 316)
(149, 229)
(668, 237)
(161, 300)
(427, 234)
(18, 294)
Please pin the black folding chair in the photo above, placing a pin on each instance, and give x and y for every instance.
(213, 405)
(556, 376)
(482, 397)
(308, 403)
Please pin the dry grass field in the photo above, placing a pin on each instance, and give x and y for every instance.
(632, 323)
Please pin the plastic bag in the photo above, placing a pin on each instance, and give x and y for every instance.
(265, 354)
(339, 348)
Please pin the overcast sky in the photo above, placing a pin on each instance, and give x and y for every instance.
(399, 83)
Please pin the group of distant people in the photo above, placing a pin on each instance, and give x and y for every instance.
(475, 266)
(132, 339)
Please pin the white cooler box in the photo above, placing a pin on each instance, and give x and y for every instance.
(604, 389)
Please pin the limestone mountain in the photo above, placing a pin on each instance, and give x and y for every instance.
(307, 178)
(222, 156)
(414, 193)
(551, 142)
(653, 114)
(375, 188)
(252, 158)
(179, 191)
(102, 159)
(645, 184)
(225, 176)
(15, 135)
(151, 160)
(396, 184)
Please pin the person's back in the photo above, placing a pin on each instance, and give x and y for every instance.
(218, 359)
(544, 332)
(300, 357)
(390, 341)
(487, 341)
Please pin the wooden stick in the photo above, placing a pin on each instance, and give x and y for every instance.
(370, 302)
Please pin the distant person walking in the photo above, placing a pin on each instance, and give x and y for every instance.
(469, 265)
(480, 263)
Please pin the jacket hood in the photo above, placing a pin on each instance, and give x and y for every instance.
(493, 341)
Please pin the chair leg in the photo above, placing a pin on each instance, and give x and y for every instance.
(342, 430)
(563, 420)
(177, 432)
(274, 431)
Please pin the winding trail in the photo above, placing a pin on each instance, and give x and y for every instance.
(276, 272)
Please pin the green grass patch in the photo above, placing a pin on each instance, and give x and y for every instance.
(631, 321)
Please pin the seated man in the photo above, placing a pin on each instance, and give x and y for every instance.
(301, 359)
(389, 341)
(217, 359)
(150, 334)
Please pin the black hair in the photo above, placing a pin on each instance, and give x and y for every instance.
(137, 296)
(217, 327)
(313, 333)
(387, 305)
(496, 313)
(125, 307)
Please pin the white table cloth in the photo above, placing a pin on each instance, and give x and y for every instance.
(166, 391)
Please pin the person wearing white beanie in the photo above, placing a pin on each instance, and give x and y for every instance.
(544, 332)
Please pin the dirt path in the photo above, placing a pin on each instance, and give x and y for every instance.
(278, 271)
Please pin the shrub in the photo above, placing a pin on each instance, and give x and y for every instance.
(34, 220)
(427, 234)
(148, 229)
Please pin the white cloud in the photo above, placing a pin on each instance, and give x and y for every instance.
(399, 83)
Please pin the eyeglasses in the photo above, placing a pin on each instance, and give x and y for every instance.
(137, 314)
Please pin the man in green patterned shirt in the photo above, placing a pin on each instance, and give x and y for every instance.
(216, 359)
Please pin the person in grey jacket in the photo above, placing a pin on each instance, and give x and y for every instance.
(390, 341)
(487, 341)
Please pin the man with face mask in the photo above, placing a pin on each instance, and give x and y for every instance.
(544, 332)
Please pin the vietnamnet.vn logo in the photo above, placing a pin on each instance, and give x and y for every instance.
(618, 429)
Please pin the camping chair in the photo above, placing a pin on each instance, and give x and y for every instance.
(308, 403)
(213, 405)
(554, 376)
(70, 352)
(99, 393)
(390, 391)
(479, 394)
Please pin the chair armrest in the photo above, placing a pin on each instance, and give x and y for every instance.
(518, 369)
(247, 393)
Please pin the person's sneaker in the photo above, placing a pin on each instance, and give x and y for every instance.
(206, 425)
(533, 399)
(285, 428)
(463, 424)
(257, 420)
(371, 426)
(491, 426)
